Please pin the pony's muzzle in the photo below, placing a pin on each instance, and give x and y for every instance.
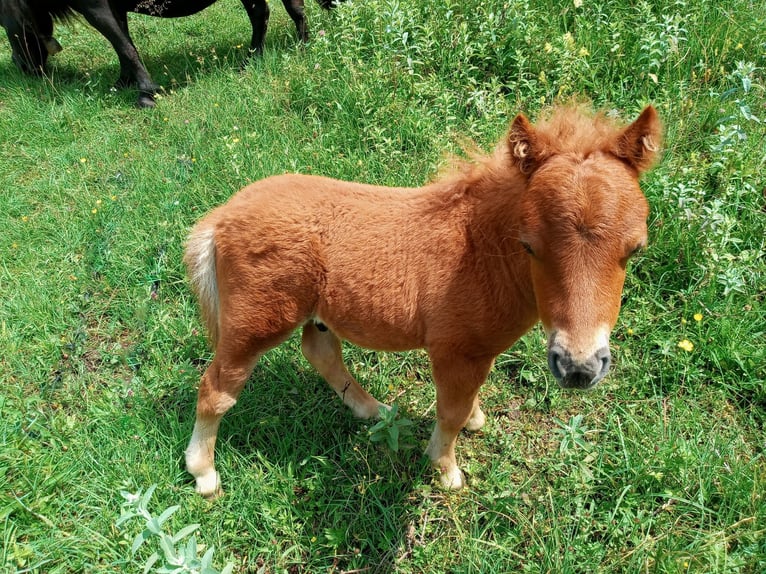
(572, 374)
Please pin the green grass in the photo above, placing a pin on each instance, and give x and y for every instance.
(661, 469)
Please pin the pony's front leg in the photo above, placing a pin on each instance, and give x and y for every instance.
(477, 418)
(219, 388)
(457, 382)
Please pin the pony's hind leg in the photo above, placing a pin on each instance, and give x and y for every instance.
(323, 350)
(218, 392)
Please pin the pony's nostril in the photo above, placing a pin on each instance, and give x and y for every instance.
(605, 357)
(557, 362)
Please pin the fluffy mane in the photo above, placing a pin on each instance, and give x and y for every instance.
(565, 129)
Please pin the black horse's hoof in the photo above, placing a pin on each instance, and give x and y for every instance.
(146, 101)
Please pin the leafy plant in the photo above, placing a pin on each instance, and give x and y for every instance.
(392, 430)
(173, 557)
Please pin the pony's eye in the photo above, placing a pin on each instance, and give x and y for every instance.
(526, 247)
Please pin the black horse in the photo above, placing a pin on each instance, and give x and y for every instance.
(29, 26)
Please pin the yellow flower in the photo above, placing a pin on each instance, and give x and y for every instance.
(548, 48)
(686, 345)
(698, 317)
(577, 3)
(83, 159)
(630, 331)
(584, 52)
(24, 218)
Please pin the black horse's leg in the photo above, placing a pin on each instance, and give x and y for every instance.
(127, 76)
(295, 10)
(114, 28)
(258, 12)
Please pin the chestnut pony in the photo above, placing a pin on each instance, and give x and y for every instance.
(462, 267)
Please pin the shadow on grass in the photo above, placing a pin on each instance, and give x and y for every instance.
(302, 480)
(176, 67)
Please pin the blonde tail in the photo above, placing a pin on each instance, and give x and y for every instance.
(200, 265)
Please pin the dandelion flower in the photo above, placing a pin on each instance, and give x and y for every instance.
(686, 345)
(698, 317)
(24, 218)
(630, 331)
(83, 160)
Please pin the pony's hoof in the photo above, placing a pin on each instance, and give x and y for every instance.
(370, 410)
(209, 486)
(476, 421)
(452, 478)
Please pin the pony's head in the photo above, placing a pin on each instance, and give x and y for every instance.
(583, 216)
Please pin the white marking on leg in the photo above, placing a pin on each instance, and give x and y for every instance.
(200, 456)
(441, 451)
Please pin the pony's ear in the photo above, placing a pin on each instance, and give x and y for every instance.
(523, 144)
(639, 143)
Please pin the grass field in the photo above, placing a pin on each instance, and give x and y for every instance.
(661, 469)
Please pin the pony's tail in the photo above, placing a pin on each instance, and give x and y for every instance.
(200, 264)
